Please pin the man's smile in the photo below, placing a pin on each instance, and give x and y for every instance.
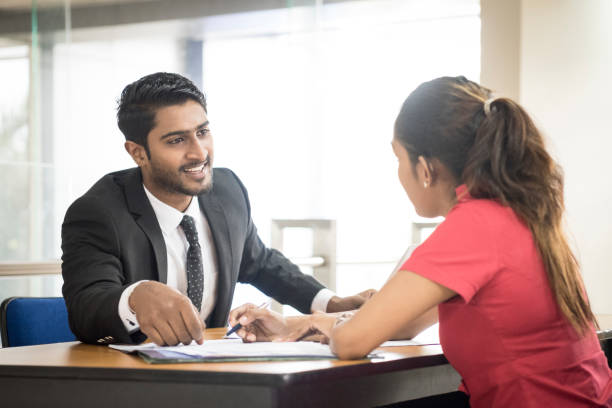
(198, 170)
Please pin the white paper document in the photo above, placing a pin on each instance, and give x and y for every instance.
(234, 349)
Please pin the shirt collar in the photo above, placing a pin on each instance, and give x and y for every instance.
(169, 217)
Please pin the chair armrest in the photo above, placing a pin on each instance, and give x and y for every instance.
(605, 341)
(604, 335)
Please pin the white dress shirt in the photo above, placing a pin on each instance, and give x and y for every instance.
(169, 219)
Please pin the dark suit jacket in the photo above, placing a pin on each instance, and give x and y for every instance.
(111, 238)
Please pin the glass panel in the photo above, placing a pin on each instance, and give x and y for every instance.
(38, 286)
(301, 102)
(14, 82)
(353, 278)
(30, 227)
(15, 212)
(14, 153)
(312, 102)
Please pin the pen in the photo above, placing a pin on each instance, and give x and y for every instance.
(239, 326)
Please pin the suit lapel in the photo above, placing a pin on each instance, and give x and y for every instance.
(140, 207)
(220, 231)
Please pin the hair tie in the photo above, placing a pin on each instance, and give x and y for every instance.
(487, 106)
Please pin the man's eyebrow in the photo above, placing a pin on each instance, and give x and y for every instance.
(181, 132)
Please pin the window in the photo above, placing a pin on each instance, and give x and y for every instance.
(301, 101)
(303, 108)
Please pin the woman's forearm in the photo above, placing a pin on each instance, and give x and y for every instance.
(390, 314)
(345, 342)
(419, 324)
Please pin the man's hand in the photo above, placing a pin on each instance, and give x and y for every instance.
(338, 304)
(166, 316)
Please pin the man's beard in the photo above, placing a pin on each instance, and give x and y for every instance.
(171, 182)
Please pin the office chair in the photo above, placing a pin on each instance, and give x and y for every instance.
(26, 321)
(605, 340)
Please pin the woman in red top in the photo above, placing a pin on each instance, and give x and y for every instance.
(515, 321)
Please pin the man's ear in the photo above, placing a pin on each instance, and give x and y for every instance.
(137, 151)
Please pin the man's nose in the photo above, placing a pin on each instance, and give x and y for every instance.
(197, 150)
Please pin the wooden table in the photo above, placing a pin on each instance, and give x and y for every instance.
(80, 375)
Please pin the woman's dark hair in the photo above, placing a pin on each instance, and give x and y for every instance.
(141, 99)
(493, 147)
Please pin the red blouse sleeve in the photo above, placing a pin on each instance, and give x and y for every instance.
(461, 254)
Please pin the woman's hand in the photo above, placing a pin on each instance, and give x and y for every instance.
(266, 325)
(315, 327)
(258, 324)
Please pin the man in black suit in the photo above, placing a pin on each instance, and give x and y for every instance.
(156, 251)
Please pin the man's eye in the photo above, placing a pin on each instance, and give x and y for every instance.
(175, 140)
(203, 132)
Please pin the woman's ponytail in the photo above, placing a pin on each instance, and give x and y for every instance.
(509, 162)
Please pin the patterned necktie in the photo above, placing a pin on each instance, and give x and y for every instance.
(195, 273)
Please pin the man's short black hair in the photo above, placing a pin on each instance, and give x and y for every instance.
(141, 99)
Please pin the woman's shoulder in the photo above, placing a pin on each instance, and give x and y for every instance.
(482, 208)
(485, 216)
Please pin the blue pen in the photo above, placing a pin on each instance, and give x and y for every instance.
(239, 326)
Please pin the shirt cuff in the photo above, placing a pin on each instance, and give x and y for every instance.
(321, 299)
(127, 315)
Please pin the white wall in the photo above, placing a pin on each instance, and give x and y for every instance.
(566, 84)
(500, 46)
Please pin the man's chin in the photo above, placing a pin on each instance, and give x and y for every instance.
(201, 189)
(205, 189)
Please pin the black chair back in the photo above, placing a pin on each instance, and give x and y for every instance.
(605, 340)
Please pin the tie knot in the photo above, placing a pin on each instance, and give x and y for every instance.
(188, 225)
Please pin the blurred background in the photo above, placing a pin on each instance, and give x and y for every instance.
(302, 96)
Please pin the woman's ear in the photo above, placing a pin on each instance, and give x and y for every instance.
(425, 172)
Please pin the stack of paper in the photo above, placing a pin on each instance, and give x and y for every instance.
(230, 350)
